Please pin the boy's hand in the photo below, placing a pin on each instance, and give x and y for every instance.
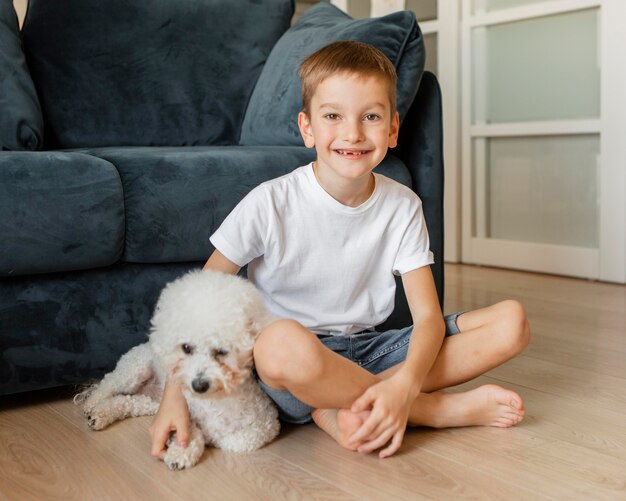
(173, 415)
(390, 402)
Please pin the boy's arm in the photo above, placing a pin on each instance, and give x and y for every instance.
(428, 326)
(219, 262)
(173, 414)
(391, 399)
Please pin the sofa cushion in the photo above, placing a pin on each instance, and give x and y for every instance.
(175, 198)
(271, 117)
(21, 123)
(60, 211)
(162, 72)
(69, 328)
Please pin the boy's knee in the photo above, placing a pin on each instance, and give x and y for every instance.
(515, 324)
(285, 353)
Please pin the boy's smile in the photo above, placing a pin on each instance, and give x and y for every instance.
(351, 125)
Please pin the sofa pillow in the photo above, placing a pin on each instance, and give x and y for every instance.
(271, 117)
(158, 72)
(21, 123)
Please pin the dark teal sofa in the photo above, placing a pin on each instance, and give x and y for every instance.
(129, 130)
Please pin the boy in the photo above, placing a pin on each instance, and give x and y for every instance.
(323, 244)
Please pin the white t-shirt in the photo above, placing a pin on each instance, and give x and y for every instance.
(329, 266)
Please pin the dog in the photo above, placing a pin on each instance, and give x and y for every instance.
(201, 337)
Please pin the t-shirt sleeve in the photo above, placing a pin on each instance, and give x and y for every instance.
(414, 251)
(241, 237)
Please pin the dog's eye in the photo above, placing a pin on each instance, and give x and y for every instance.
(187, 349)
(219, 353)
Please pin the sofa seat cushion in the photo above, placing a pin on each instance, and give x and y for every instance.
(69, 328)
(60, 212)
(271, 117)
(175, 198)
(159, 72)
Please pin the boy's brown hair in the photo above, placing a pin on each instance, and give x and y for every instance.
(346, 56)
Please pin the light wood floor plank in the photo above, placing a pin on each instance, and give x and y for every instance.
(572, 444)
(559, 379)
(579, 354)
(237, 476)
(583, 473)
(560, 418)
(492, 282)
(414, 473)
(44, 458)
(472, 446)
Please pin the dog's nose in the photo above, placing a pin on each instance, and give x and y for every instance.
(200, 385)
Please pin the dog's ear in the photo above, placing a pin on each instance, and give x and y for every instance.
(258, 322)
(253, 328)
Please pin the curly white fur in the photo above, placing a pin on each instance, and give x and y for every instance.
(201, 336)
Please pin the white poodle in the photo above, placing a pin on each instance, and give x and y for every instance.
(201, 336)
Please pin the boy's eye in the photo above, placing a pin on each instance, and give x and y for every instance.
(187, 348)
(331, 116)
(371, 117)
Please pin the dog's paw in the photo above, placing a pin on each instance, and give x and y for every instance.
(99, 416)
(97, 421)
(178, 458)
(181, 458)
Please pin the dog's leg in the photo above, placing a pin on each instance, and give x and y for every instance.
(253, 422)
(133, 371)
(179, 458)
(119, 407)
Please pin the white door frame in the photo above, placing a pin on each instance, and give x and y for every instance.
(613, 142)
(608, 262)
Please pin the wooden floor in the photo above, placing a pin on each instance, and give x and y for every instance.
(572, 445)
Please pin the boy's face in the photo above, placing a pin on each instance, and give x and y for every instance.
(350, 124)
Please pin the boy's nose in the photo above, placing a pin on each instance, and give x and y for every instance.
(353, 132)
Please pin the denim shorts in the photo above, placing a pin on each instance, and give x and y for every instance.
(374, 351)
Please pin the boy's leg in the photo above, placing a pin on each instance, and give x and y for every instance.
(289, 357)
(488, 337)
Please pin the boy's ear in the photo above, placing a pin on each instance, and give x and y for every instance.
(304, 123)
(394, 130)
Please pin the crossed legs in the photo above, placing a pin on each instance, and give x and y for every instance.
(288, 356)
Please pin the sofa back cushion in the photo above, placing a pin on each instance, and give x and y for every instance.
(271, 117)
(175, 198)
(158, 72)
(21, 123)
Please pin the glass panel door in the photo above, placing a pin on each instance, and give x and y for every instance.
(531, 136)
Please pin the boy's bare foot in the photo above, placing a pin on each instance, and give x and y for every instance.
(488, 405)
(340, 424)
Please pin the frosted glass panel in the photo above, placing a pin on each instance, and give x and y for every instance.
(425, 10)
(430, 43)
(537, 189)
(538, 69)
(489, 5)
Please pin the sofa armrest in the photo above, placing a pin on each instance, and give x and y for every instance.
(420, 147)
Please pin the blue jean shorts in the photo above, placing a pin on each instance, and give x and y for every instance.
(374, 351)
